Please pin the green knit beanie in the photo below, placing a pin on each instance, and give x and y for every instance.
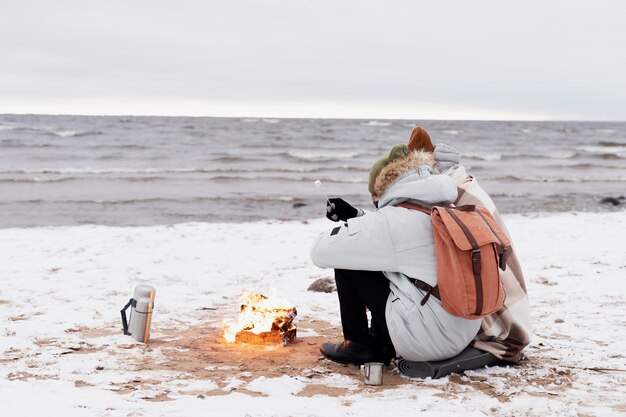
(397, 152)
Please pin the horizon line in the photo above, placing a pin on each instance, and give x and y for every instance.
(311, 117)
(289, 109)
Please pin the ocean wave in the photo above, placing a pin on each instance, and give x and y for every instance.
(126, 171)
(341, 180)
(271, 121)
(26, 144)
(31, 129)
(558, 155)
(115, 202)
(45, 179)
(233, 158)
(320, 156)
(5, 127)
(57, 132)
(217, 177)
(611, 156)
(305, 179)
(96, 171)
(451, 132)
(569, 179)
(602, 149)
(611, 144)
(124, 147)
(76, 133)
(190, 170)
(162, 200)
(34, 180)
(482, 157)
(545, 155)
(376, 123)
(17, 144)
(65, 133)
(584, 165)
(605, 152)
(510, 195)
(89, 171)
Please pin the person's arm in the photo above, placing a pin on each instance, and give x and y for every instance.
(363, 243)
(446, 157)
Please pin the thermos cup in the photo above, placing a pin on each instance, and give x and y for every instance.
(372, 373)
(141, 306)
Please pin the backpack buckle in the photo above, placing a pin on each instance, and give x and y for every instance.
(504, 255)
(476, 258)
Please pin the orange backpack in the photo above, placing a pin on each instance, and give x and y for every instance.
(470, 248)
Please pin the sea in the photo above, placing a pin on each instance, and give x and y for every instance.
(139, 171)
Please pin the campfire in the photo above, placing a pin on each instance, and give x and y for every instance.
(263, 321)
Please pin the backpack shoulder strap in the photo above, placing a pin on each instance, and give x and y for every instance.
(505, 250)
(413, 206)
(430, 290)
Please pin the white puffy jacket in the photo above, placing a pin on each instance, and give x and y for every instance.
(399, 242)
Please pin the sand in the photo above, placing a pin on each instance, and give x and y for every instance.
(62, 351)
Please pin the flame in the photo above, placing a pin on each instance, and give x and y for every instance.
(258, 314)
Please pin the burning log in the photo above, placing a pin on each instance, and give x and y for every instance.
(266, 338)
(262, 321)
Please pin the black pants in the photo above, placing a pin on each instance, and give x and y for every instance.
(358, 290)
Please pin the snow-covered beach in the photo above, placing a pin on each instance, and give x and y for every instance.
(63, 352)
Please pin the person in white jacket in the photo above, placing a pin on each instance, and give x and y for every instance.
(377, 256)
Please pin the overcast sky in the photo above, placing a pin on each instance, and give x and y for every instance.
(492, 59)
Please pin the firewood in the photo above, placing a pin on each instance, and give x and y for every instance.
(265, 338)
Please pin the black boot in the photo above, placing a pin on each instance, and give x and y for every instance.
(349, 352)
(384, 351)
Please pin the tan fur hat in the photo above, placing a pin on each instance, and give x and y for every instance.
(394, 169)
(420, 140)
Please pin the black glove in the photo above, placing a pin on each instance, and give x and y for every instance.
(337, 209)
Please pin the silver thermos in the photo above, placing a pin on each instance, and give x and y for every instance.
(141, 306)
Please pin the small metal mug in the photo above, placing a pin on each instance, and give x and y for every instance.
(372, 373)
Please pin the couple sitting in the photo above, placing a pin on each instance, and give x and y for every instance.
(377, 255)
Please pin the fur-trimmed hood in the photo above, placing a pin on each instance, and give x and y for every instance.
(413, 178)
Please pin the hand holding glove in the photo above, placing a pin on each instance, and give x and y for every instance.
(338, 209)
